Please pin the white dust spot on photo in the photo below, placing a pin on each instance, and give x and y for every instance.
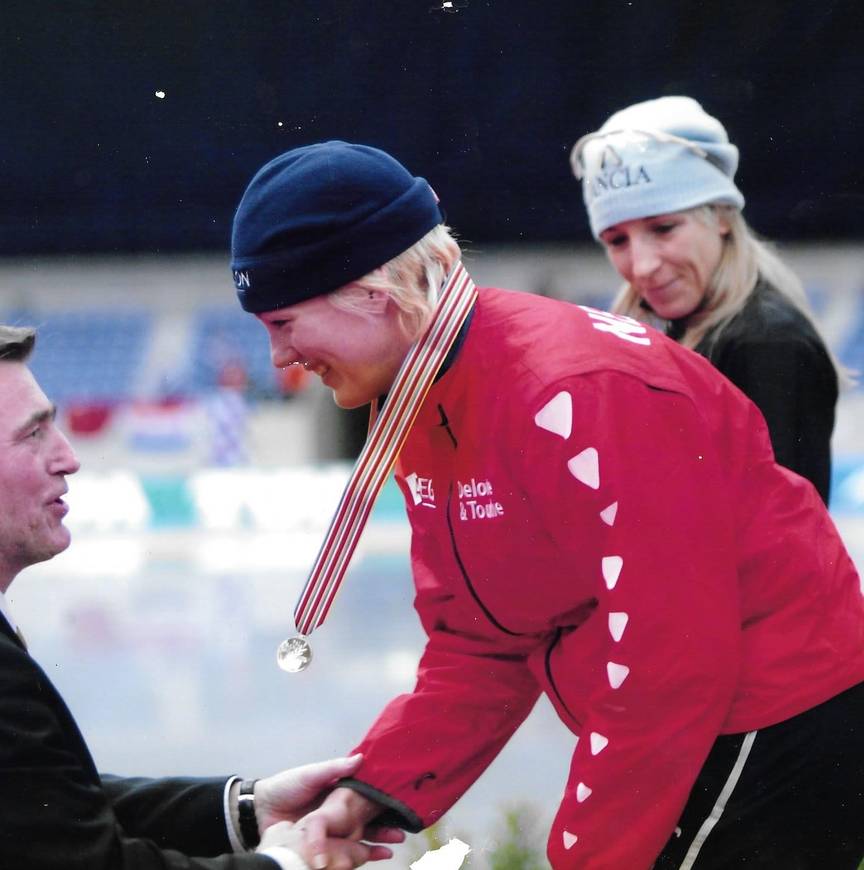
(449, 857)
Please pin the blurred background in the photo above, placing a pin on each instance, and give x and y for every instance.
(130, 132)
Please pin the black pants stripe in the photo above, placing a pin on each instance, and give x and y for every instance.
(788, 797)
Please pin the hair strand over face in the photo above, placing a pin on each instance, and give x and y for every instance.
(412, 280)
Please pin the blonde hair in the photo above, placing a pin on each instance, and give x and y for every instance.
(412, 280)
(743, 261)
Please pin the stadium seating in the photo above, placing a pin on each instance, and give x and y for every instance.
(88, 356)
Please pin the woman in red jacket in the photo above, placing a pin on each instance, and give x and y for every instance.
(596, 514)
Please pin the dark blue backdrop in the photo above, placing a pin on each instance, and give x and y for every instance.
(485, 102)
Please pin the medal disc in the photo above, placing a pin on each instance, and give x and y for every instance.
(294, 654)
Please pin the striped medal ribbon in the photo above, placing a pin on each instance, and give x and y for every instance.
(386, 437)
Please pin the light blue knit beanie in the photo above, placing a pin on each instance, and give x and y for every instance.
(655, 157)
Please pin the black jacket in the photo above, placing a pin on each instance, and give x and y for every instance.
(772, 353)
(57, 812)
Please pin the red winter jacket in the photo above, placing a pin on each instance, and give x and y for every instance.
(596, 514)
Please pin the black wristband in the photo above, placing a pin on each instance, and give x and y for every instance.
(246, 814)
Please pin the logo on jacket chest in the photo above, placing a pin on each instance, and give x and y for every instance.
(477, 500)
(421, 490)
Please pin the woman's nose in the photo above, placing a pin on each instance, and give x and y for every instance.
(644, 258)
(282, 351)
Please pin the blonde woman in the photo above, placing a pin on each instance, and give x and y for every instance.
(658, 183)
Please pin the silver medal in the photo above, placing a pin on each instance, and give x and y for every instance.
(294, 654)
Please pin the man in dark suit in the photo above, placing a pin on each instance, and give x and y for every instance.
(56, 811)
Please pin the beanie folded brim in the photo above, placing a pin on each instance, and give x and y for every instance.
(285, 278)
(322, 216)
(655, 157)
(685, 182)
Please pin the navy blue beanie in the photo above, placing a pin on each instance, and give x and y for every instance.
(318, 217)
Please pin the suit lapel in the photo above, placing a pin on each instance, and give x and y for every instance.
(11, 633)
(48, 694)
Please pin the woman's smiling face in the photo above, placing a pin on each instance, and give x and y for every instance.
(668, 259)
(356, 354)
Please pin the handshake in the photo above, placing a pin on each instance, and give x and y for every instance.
(305, 822)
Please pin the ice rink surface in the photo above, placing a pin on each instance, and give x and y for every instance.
(168, 662)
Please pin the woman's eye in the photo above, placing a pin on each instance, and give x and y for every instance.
(616, 241)
(662, 229)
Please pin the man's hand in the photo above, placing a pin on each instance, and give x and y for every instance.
(340, 854)
(290, 795)
(295, 793)
(345, 814)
